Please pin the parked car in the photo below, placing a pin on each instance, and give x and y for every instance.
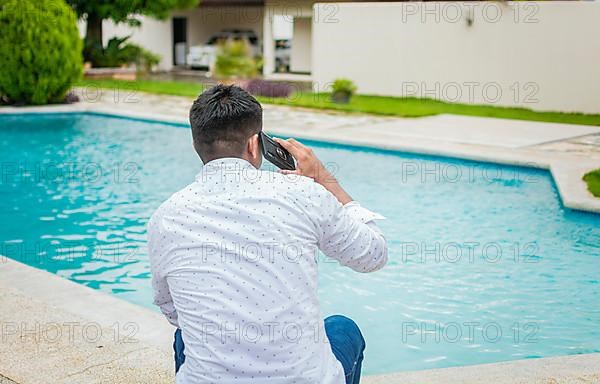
(283, 53)
(204, 56)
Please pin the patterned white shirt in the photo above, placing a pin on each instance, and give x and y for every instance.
(234, 259)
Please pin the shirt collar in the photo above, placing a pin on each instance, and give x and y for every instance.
(231, 164)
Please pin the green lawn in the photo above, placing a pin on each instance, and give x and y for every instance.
(377, 105)
(176, 88)
(592, 179)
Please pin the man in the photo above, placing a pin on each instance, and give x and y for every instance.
(234, 257)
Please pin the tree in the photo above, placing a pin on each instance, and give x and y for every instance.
(120, 11)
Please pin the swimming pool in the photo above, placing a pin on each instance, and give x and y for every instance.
(485, 263)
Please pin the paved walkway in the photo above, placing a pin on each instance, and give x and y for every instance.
(6, 380)
(546, 137)
(57, 331)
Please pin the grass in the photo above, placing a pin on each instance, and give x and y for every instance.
(592, 179)
(174, 88)
(377, 105)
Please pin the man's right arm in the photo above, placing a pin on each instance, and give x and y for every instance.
(307, 164)
(347, 231)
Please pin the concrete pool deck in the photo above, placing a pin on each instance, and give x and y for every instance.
(56, 331)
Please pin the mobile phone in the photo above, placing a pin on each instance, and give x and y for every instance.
(275, 153)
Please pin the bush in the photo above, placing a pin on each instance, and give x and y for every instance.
(235, 61)
(114, 55)
(343, 89)
(592, 179)
(146, 60)
(40, 51)
(117, 54)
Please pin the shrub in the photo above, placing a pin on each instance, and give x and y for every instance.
(40, 51)
(592, 179)
(146, 60)
(117, 53)
(234, 61)
(343, 89)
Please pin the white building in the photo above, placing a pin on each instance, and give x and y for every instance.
(539, 55)
(268, 19)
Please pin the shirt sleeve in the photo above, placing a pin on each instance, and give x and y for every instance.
(160, 287)
(349, 234)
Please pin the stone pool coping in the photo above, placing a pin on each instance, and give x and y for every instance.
(567, 169)
(35, 303)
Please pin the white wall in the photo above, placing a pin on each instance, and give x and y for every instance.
(154, 35)
(282, 28)
(540, 55)
(300, 55)
(288, 10)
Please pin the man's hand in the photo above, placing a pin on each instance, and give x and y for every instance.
(307, 164)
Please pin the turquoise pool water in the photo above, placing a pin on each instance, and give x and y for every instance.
(485, 263)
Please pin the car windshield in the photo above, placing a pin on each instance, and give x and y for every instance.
(250, 37)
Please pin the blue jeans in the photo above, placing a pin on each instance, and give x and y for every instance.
(347, 344)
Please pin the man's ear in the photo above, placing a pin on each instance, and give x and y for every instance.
(253, 147)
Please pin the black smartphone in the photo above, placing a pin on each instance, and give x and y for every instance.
(275, 153)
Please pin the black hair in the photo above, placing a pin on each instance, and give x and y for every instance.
(223, 118)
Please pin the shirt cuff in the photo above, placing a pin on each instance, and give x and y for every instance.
(360, 213)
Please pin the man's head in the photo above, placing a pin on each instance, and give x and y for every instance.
(225, 122)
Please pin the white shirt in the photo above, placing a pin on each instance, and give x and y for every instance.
(234, 260)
